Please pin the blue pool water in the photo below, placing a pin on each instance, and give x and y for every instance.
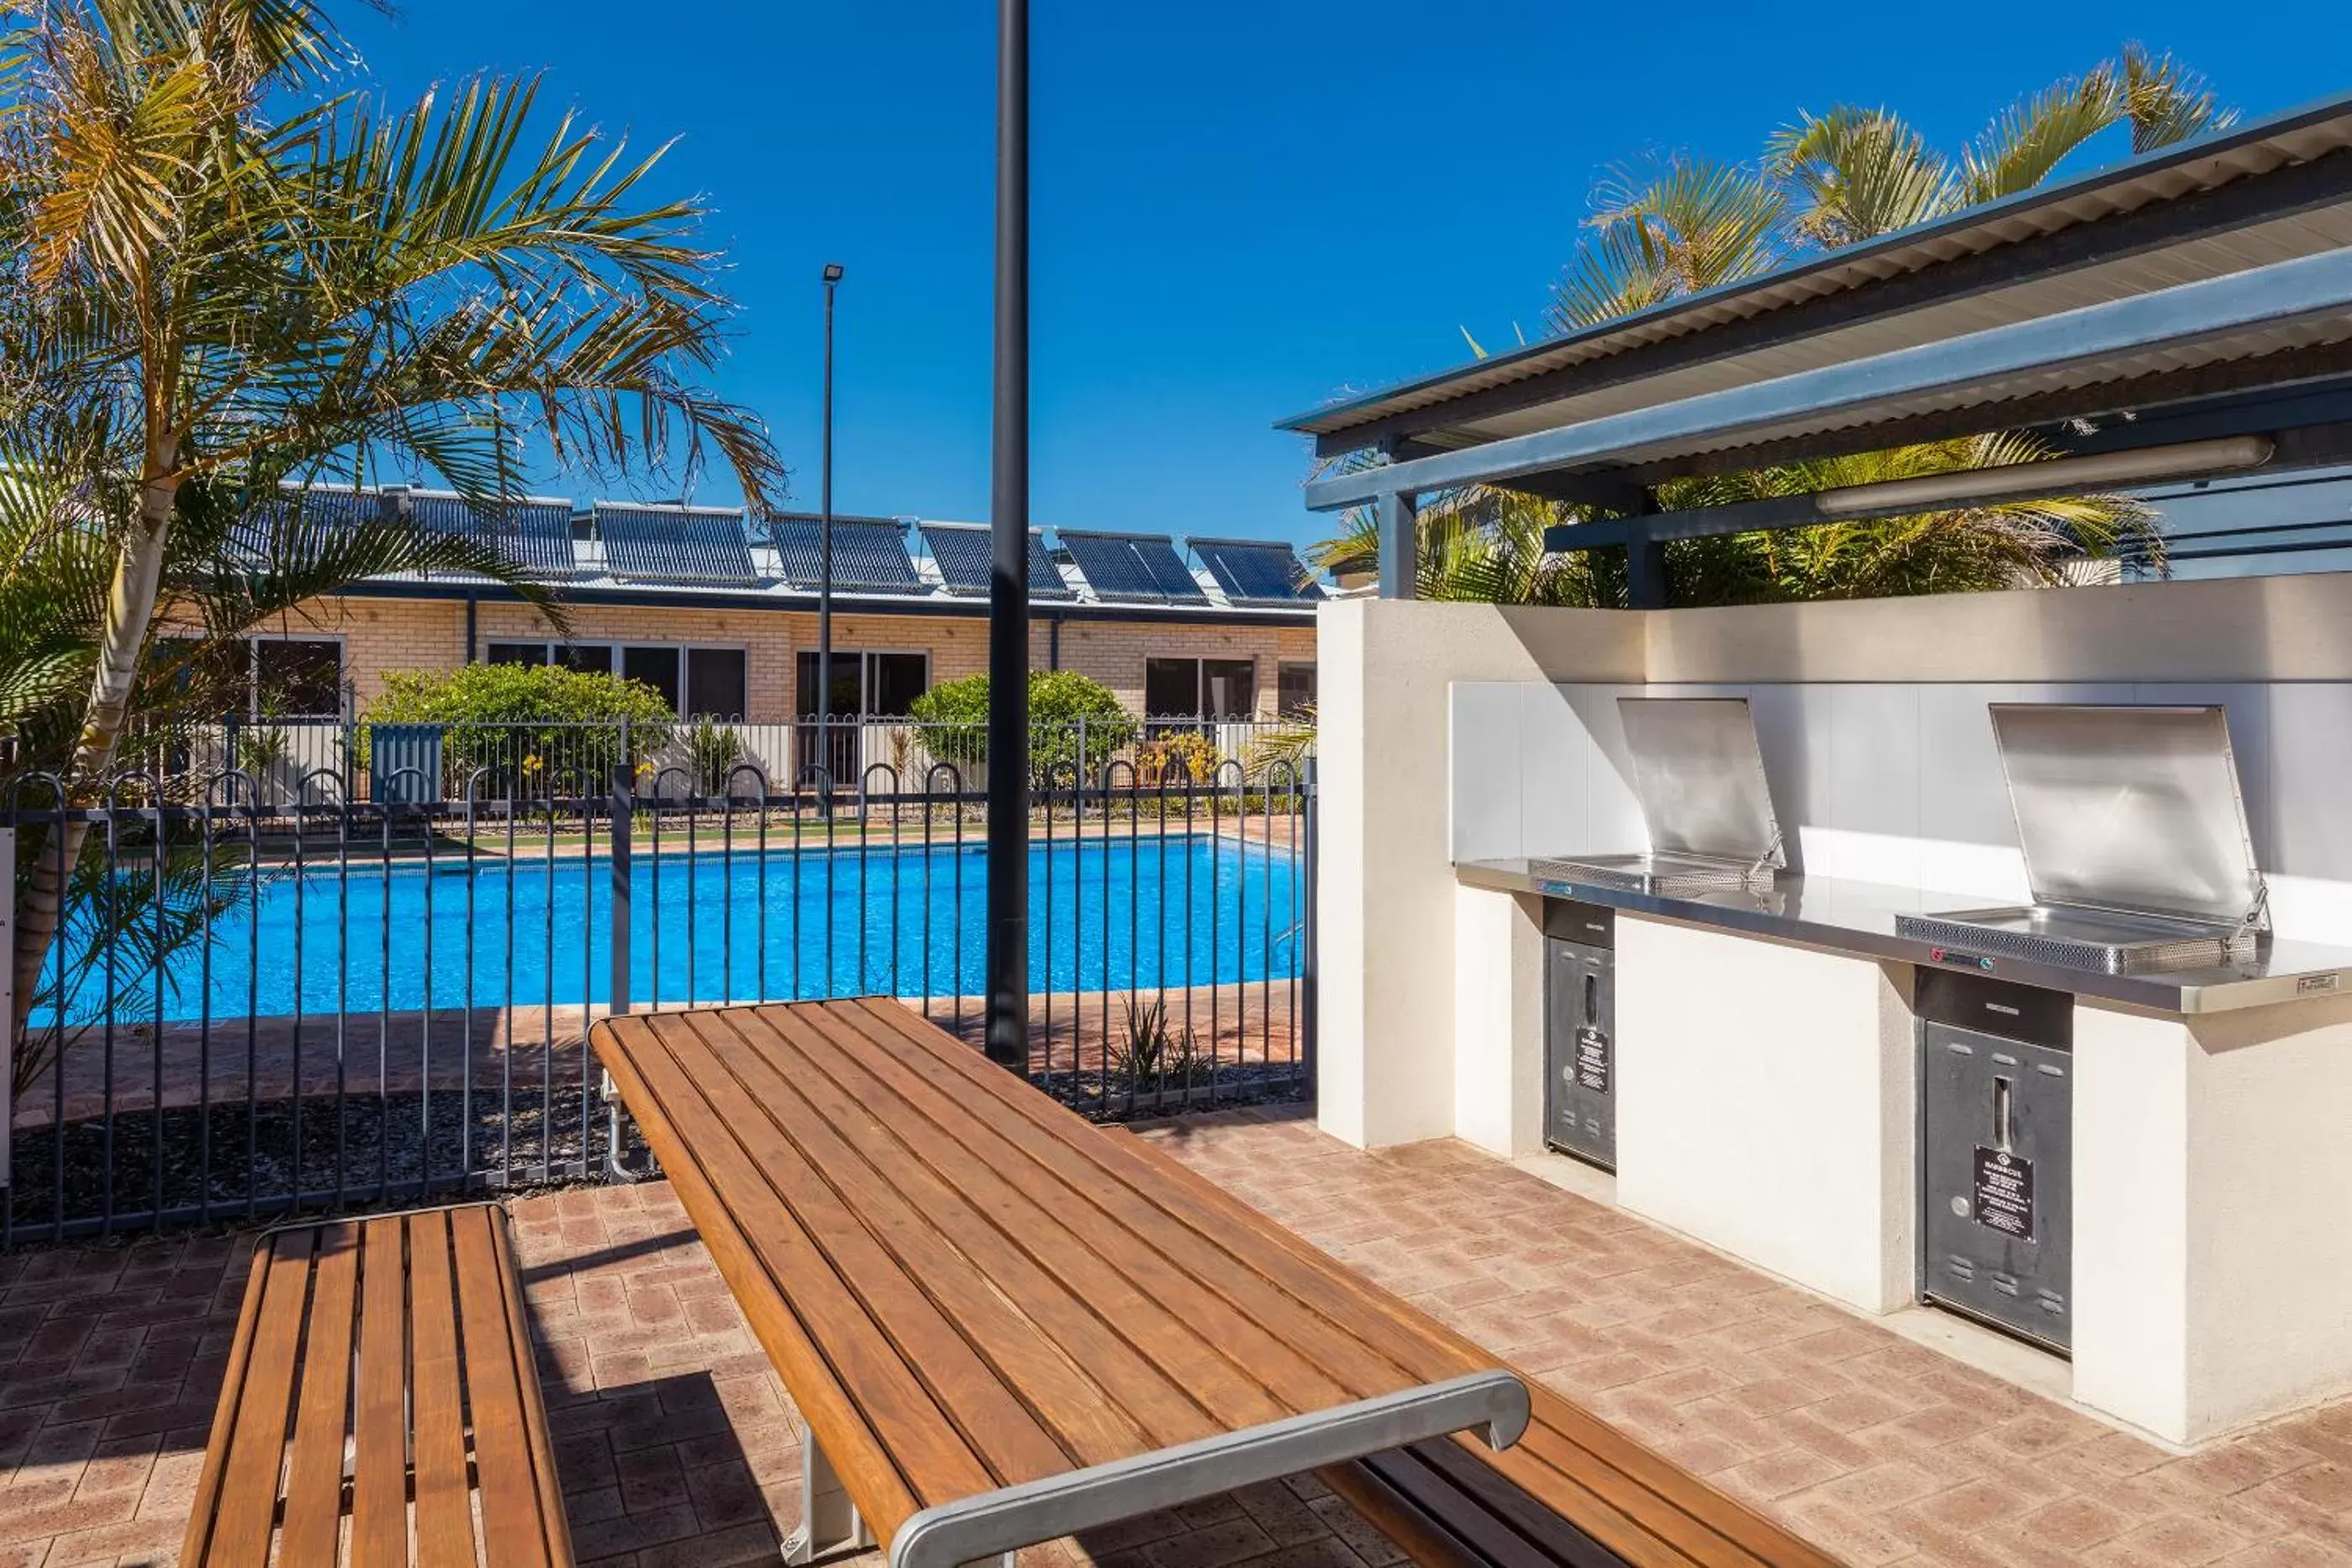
(1103, 916)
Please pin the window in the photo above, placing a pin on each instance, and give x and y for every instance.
(715, 682)
(697, 683)
(1228, 688)
(296, 678)
(868, 684)
(1294, 690)
(656, 667)
(587, 658)
(1221, 689)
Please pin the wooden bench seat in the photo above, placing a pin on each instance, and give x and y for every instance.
(380, 1406)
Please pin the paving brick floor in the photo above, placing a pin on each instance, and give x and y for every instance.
(676, 1447)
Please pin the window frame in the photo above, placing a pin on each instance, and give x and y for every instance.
(1282, 709)
(1200, 662)
(343, 706)
(865, 678)
(616, 649)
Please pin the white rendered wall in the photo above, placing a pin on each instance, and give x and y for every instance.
(1498, 1022)
(1765, 1099)
(1385, 887)
(2213, 1178)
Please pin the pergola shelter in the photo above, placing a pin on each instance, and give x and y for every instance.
(2179, 315)
(1770, 1073)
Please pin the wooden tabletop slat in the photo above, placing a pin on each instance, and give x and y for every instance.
(380, 1470)
(312, 1525)
(444, 1519)
(994, 1420)
(256, 1452)
(1040, 1342)
(1154, 1307)
(1231, 1248)
(849, 1432)
(512, 1529)
(1066, 1192)
(894, 1424)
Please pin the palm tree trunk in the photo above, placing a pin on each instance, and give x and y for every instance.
(130, 611)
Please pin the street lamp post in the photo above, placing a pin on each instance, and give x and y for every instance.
(1008, 578)
(825, 554)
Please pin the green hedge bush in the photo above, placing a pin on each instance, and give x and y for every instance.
(1064, 705)
(528, 728)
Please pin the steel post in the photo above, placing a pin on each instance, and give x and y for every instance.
(1008, 587)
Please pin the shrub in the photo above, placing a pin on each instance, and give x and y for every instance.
(1182, 757)
(713, 750)
(1061, 702)
(529, 728)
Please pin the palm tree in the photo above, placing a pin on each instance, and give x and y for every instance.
(207, 302)
(1677, 226)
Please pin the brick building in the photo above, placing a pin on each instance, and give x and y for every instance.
(723, 618)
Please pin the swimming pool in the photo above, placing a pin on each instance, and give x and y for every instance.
(1111, 914)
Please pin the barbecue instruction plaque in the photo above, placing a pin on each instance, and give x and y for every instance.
(1592, 1059)
(2004, 1193)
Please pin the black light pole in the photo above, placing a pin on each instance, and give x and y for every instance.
(825, 554)
(1008, 579)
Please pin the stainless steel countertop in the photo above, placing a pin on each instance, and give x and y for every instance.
(1859, 917)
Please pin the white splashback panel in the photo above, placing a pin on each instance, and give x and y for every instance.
(1899, 782)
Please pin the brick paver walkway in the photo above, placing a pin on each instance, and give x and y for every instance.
(676, 1447)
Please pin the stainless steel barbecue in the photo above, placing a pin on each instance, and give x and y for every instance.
(1698, 776)
(1669, 876)
(2135, 837)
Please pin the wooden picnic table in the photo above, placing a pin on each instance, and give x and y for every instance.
(1001, 1324)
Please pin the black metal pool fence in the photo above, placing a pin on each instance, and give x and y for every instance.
(359, 984)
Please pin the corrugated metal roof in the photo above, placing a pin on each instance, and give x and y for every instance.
(2103, 357)
(2170, 175)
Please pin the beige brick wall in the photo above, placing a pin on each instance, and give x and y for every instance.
(380, 634)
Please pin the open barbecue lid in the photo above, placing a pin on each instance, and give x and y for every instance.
(1699, 777)
(2131, 809)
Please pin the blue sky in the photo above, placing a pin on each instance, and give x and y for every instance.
(1239, 209)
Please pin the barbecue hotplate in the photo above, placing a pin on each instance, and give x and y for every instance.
(2134, 834)
(1666, 875)
(2112, 942)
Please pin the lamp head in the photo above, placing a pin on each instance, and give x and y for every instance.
(832, 272)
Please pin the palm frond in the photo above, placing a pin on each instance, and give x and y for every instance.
(2167, 102)
(2033, 137)
(1855, 173)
